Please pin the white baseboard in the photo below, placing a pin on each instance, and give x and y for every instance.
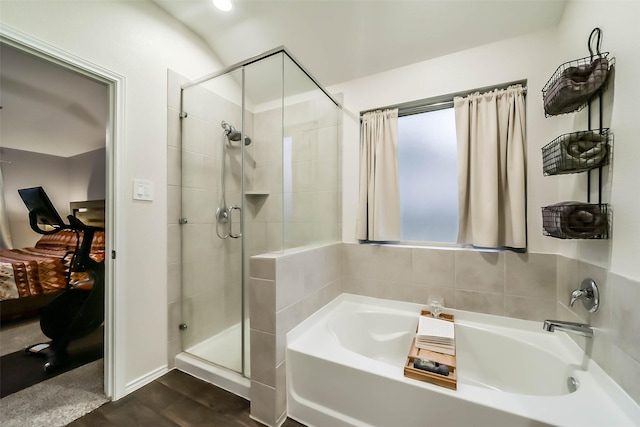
(146, 379)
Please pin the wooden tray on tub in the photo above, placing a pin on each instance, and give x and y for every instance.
(449, 381)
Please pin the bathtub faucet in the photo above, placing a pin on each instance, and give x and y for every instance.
(576, 328)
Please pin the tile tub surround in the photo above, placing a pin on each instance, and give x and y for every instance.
(616, 346)
(284, 289)
(501, 283)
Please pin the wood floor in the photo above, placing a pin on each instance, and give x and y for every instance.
(175, 399)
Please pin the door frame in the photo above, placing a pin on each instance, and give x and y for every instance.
(114, 380)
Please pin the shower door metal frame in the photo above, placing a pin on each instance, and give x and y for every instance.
(257, 58)
(243, 236)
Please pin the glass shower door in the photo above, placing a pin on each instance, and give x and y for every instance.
(211, 231)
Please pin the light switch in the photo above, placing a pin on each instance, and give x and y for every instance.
(142, 190)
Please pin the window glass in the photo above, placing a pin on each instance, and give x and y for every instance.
(428, 175)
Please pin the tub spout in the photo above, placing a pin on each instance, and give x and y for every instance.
(575, 328)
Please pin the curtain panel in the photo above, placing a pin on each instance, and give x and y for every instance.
(490, 130)
(379, 195)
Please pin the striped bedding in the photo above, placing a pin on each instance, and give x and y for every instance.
(31, 271)
(42, 269)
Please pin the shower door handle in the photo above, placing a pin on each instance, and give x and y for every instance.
(231, 209)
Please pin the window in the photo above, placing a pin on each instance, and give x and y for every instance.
(427, 162)
(428, 176)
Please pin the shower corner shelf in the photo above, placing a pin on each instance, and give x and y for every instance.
(257, 193)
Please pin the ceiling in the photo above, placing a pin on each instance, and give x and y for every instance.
(341, 40)
(49, 109)
(334, 40)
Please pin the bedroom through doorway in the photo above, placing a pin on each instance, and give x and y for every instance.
(55, 134)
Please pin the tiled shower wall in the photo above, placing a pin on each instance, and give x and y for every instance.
(263, 210)
(311, 172)
(286, 289)
(304, 191)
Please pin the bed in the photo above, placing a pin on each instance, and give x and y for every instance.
(31, 277)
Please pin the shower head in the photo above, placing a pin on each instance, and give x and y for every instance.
(233, 134)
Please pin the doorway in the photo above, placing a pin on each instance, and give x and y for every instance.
(93, 176)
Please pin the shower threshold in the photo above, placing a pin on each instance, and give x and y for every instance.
(217, 360)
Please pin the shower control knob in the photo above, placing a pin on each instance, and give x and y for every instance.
(222, 215)
(589, 294)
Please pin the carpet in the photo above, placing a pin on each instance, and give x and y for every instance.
(20, 370)
(57, 401)
(18, 335)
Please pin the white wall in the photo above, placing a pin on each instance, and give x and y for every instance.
(87, 176)
(140, 42)
(619, 22)
(65, 179)
(32, 170)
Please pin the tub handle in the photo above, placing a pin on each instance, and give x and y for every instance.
(589, 295)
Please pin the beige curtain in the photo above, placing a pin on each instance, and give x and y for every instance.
(379, 198)
(490, 130)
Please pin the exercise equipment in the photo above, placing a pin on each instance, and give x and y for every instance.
(77, 311)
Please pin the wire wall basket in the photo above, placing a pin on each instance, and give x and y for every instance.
(576, 220)
(577, 152)
(574, 83)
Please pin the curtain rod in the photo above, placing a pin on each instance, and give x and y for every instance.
(443, 101)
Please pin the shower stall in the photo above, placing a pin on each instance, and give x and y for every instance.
(260, 154)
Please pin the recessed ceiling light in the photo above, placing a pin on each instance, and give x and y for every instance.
(224, 5)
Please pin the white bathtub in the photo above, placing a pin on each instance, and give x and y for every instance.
(345, 368)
